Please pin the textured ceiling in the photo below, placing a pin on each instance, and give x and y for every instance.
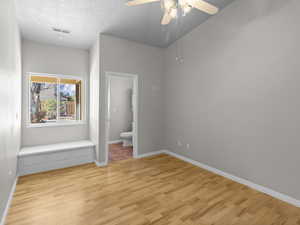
(86, 18)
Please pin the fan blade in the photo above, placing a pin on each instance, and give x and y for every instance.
(140, 2)
(203, 6)
(166, 18)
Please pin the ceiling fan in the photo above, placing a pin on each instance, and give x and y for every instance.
(173, 7)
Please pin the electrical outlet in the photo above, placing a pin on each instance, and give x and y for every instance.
(188, 146)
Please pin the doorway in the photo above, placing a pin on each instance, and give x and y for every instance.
(121, 116)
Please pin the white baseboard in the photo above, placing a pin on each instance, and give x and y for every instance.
(248, 183)
(151, 154)
(11, 194)
(100, 164)
(115, 142)
(148, 154)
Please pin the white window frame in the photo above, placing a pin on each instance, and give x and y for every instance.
(57, 122)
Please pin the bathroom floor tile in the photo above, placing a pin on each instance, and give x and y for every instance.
(118, 152)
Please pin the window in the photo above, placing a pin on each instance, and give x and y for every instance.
(55, 99)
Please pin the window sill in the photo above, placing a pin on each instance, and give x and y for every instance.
(59, 124)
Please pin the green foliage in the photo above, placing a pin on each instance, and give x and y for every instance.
(49, 105)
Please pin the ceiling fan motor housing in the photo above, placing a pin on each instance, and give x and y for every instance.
(173, 6)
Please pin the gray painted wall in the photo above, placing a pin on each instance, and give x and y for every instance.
(118, 55)
(50, 59)
(10, 99)
(235, 98)
(121, 114)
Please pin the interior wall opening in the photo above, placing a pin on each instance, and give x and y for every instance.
(121, 122)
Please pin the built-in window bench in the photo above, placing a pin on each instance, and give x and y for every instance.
(49, 157)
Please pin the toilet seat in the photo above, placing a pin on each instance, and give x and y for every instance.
(126, 138)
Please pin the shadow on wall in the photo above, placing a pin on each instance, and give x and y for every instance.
(231, 28)
(257, 9)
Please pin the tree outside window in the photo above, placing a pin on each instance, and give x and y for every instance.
(55, 99)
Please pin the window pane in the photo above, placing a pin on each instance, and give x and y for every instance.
(70, 107)
(43, 108)
(54, 99)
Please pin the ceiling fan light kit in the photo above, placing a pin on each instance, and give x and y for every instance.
(173, 13)
(173, 7)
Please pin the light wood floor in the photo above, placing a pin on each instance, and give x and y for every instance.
(157, 190)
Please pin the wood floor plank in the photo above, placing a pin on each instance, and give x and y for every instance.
(158, 190)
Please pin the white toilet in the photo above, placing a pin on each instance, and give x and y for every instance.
(126, 137)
